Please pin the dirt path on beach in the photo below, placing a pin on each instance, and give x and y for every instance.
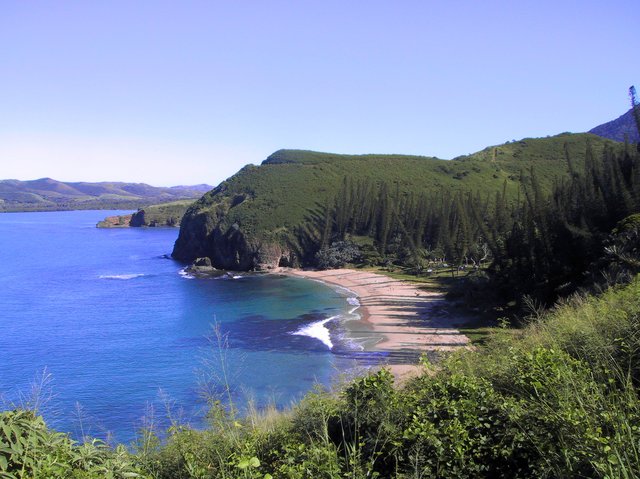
(402, 313)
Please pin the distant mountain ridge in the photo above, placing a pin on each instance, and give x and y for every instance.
(47, 194)
(623, 127)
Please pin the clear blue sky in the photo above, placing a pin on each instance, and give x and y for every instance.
(182, 92)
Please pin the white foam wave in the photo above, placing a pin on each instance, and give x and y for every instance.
(228, 276)
(317, 330)
(185, 274)
(353, 301)
(120, 276)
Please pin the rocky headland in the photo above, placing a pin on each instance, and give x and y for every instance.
(166, 214)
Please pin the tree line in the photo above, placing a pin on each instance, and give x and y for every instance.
(531, 240)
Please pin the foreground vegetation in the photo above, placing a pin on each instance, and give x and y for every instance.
(558, 398)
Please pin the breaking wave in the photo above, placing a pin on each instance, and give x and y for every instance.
(317, 330)
(185, 274)
(121, 276)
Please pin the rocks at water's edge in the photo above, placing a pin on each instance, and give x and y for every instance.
(201, 265)
(229, 248)
(122, 221)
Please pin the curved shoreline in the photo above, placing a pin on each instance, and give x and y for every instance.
(401, 313)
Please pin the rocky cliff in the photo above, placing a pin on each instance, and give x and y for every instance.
(216, 227)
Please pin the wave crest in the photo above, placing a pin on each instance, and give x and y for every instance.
(121, 276)
(185, 274)
(317, 330)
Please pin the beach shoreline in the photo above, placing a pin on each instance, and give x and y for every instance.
(405, 316)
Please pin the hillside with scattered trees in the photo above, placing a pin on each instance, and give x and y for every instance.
(282, 212)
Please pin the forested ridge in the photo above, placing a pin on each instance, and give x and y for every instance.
(535, 236)
(532, 240)
(270, 215)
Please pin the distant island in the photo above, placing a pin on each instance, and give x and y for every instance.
(46, 194)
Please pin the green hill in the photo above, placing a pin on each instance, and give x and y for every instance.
(251, 220)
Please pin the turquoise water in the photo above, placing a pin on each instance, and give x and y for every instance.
(121, 334)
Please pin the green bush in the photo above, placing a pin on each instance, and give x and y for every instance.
(28, 449)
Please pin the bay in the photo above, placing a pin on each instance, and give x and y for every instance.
(115, 336)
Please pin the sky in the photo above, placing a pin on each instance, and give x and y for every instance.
(187, 92)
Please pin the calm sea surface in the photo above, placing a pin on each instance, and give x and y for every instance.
(120, 333)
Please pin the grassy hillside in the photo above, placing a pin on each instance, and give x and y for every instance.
(46, 194)
(263, 205)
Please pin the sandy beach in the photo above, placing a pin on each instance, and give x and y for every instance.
(405, 317)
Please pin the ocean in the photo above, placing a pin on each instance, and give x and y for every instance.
(104, 333)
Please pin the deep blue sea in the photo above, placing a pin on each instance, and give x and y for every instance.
(116, 334)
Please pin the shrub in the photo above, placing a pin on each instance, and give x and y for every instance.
(337, 255)
(28, 449)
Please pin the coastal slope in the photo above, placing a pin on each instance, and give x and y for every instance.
(256, 218)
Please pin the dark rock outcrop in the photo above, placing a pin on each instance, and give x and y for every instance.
(227, 247)
(203, 262)
(201, 266)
